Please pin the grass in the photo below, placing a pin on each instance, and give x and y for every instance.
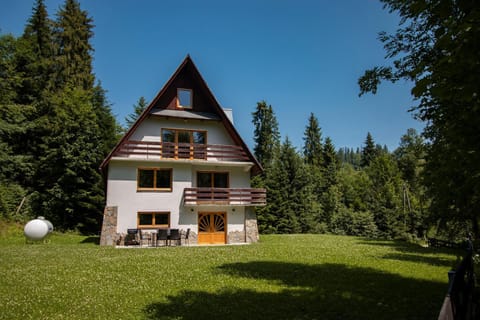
(282, 277)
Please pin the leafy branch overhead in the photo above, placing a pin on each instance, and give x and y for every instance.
(436, 47)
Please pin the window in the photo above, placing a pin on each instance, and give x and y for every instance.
(184, 98)
(184, 144)
(153, 219)
(212, 179)
(155, 179)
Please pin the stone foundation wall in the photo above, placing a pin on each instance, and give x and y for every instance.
(251, 226)
(192, 238)
(236, 237)
(109, 235)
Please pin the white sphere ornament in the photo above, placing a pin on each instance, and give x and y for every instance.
(36, 229)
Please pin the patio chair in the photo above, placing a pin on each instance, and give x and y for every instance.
(162, 235)
(132, 237)
(144, 237)
(175, 236)
(187, 234)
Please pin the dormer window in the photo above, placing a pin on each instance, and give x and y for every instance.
(184, 98)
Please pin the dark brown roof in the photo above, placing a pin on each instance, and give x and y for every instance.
(205, 105)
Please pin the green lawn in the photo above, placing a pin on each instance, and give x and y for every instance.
(282, 277)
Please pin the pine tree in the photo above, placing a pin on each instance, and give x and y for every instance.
(110, 131)
(312, 149)
(55, 126)
(35, 55)
(369, 151)
(10, 77)
(266, 134)
(330, 196)
(292, 205)
(77, 130)
(137, 111)
(74, 58)
(68, 190)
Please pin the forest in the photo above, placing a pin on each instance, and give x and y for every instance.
(365, 192)
(56, 126)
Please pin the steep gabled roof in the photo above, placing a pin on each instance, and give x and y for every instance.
(161, 105)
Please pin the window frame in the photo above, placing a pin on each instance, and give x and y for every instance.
(179, 104)
(175, 144)
(212, 178)
(153, 214)
(190, 132)
(154, 188)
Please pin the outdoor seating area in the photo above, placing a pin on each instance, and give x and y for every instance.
(163, 237)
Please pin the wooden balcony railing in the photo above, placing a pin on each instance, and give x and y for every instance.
(225, 196)
(168, 150)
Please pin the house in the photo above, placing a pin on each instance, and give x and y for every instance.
(183, 165)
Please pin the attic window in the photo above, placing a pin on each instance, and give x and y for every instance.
(184, 98)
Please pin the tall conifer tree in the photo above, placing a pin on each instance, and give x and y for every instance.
(78, 131)
(330, 162)
(110, 131)
(312, 149)
(137, 111)
(35, 55)
(369, 151)
(74, 58)
(266, 134)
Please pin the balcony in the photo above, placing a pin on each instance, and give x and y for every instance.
(225, 196)
(167, 150)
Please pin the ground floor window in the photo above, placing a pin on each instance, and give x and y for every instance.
(153, 219)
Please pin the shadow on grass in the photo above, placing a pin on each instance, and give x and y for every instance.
(91, 239)
(300, 291)
(417, 258)
(405, 246)
(416, 253)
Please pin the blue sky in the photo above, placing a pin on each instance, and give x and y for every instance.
(299, 56)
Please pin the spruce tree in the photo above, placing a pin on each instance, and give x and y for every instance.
(292, 205)
(266, 134)
(137, 111)
(330, 195)
(68, 189)
(78, 130)
(36, 54)
(73, 31)
(10, 77)
(369, 151)
(312, 149)
(55, 126)
(110, 131)
(15, 165)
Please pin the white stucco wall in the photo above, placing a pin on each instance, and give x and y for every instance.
(122, 179)
(122, 193)
(150, 129)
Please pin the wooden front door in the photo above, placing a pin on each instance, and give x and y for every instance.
(212, 227)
